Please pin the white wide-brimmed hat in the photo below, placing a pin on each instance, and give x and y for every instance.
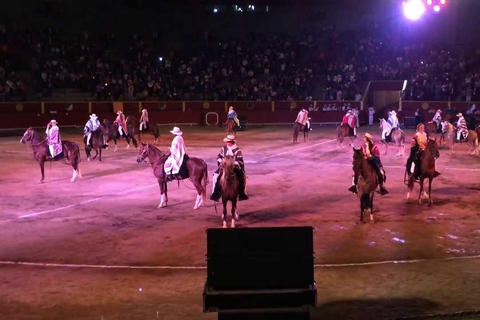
(230, 137)
(53, 121)
(368, 136)
(119, 111)
(439, 110)
(393, 112)
(459, 115)
(93, 116)
(176, 131)
(144, 110)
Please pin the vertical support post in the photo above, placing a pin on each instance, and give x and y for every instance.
(43, 107)
(184, 106)
(273, 106)
(139, 106)
(89, 107)
(226, 106)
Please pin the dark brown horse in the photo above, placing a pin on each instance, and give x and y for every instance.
(111, 133)
(134, 125)
(197, 172)
(297, 127)
(427, 171)
(342, 132)
(367, 182)
(230, 126)
(70, 152)
(96, 143)
(229, 189)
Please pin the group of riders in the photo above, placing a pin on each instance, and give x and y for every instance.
(178, 154)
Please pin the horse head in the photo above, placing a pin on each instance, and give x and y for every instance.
(357, 159)
(432, 146)
(27, 136)
(142, 152)
(228, 164)
(104, 128)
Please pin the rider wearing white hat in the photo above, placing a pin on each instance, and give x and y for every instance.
(372, 155)
(54, 140)
(232, 115)
(91, 126)
(230, 148)
(437, 119)
(121, 123)
(177, 153)
(462, 129)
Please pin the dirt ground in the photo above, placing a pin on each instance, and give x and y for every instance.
(110, 218)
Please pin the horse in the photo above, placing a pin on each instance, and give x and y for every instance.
(229, 189)
(472, 141)
(342, 132)
(427, 171)
(396, 136)
(134, 125)
(70, 152)
(367, 182)
(306, 129)
(96, 142)
(297, 127)
(197, 172)
(230, 126)
(448, 135)
(111, 133)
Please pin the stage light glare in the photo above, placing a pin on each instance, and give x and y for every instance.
(414, 9)
(429, 2)
(442, 1)
(436, 8)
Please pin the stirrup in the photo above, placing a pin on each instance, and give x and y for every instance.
(353, 189)
(242, 197)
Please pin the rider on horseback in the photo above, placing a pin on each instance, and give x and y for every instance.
(91, 126)
(437, 119)
(121, 123)
(462, 129)
(350, 121)
(177, 155)
(144, 121)
(232, 149)
(372, 154)
(54, 142)
(302, 117)
(418, 146)
(232, 115)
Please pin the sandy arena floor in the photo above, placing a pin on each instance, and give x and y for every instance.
(110, 218)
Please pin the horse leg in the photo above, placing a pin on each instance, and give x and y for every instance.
(234, 212)
(162, 185)
(421, 191)
(96, 154)
(100, 154)
(224, 215)
(430, 180)
(128, 142)
(115, 141)
(42, 170)
(386, 147)
(372, 194)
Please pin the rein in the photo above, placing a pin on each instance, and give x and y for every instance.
(160, 157)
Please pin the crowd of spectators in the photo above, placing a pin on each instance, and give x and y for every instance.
(321, 66)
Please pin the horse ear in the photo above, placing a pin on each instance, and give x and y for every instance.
(143, 144)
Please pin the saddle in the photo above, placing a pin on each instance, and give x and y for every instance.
(388, 138)
(182, 173)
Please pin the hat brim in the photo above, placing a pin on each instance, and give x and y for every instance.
(228, 140)
(177, 133)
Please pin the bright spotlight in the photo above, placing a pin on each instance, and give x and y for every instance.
(215, 10)
(429, 2)
(442, 1)
(436, 8)
(413, 9)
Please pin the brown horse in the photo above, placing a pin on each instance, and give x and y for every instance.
(367, 182)
(448, 135)
(70, 152)
(111, 133)
(342, 132)
(134, 125)
(230, 126)
(96, 142)
(427, 171)
(229, 189)
(197, 172)
(397, 137)
(430, 128)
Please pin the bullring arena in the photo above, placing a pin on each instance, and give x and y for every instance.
(99, 248)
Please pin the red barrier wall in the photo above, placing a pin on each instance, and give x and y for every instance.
(37, 114)
(429, 107)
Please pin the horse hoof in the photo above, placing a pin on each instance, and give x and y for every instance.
(408, 195)
(232, 224)
(72, 180)
(224, 224)
(88, 159)
(237, 217)
(419, 201)
(371, 218)
(196, 207)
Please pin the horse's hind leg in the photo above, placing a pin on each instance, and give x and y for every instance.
(420, 192)
(371, 207)
(234, 212)
(430, 190)
(42, 170)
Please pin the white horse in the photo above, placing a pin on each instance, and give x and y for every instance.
(397, 137)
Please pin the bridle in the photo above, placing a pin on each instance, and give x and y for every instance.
(29, 138)
(145, 154)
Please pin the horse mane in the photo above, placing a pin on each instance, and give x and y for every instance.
(227, 171)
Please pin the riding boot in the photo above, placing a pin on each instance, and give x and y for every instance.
(216, 191)
(381, 180)
(353, 188)
(241, 181)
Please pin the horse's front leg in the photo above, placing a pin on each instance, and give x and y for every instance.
(42, 170)
(386, 147)
(371, 206)
(96, 154)
(224, 214)
(115, 141)
(421, 191)
(234, 212)
(430, 180)
(100, 154)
